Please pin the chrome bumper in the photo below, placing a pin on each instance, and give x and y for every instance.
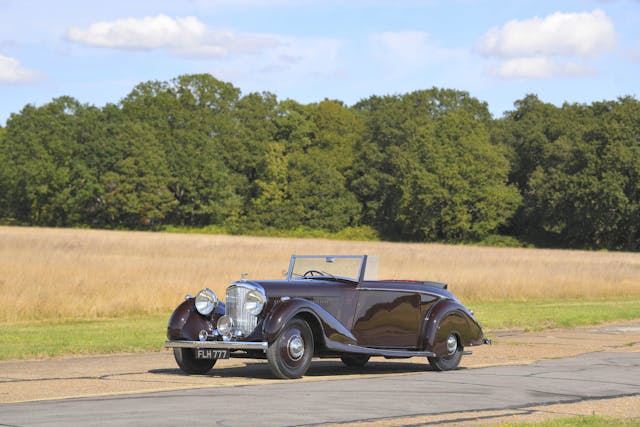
(231, 345)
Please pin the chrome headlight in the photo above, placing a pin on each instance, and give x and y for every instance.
(254, 301)
(206, 301)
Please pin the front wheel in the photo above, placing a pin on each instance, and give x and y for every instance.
(187, 361)
(451, 360)
(290, 354)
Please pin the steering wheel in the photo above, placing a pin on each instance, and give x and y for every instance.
(312, 273)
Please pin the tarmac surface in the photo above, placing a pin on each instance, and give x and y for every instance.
(585, 368)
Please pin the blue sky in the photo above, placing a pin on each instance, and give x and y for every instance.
(307, 50)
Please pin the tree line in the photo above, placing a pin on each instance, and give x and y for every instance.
(431, 165)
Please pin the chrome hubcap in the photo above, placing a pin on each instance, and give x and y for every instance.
(295, 347)
(452, 344)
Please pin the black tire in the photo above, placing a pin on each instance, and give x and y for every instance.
(187, 361)
(355, 360)
(450, 361)
(290, 354)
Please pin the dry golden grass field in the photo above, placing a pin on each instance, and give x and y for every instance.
(88, 274)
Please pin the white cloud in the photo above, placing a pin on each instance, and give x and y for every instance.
(186, 36)
(12, 72)
(574, 34)
(548, 47)
(539, 67)
(232, 55)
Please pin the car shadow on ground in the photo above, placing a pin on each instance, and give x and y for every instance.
(320, 368)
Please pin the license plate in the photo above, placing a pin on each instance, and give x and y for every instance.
(212, 353)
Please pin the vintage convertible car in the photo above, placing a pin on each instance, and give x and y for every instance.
(328, 306)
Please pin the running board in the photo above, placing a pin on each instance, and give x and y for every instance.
(350, 348)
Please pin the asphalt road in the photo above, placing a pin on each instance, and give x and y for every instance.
(589, 376)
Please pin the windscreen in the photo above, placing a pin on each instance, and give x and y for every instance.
(343, 266)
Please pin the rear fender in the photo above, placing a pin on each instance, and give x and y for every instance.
(186, 323)
(446, 317)
(330, 328)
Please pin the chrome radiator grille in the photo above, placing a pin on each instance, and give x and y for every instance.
(243, 321)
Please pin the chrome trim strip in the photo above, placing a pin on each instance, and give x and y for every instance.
(231, 345)
(407, 291)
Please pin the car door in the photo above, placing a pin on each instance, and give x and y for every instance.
(386, 316)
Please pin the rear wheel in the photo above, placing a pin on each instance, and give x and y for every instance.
(451, 360)
(290, 354)
(187, 361)
(355, 360)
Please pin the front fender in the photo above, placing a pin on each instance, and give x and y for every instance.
(446, 317)
(332, 330)
(186, 323)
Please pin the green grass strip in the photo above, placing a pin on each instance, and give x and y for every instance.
(581, 421)
(50, 339)
(539, 315)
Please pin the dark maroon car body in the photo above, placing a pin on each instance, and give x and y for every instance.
(321, 315)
